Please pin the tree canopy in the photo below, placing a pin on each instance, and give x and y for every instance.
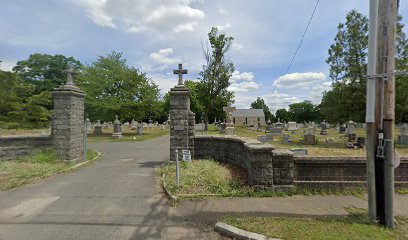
(212, 93)
(259, 103)
(112, 87)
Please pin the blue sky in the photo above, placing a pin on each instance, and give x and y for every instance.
(155, 35)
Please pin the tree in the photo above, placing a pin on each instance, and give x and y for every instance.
(19, 108)
(259, 103)
(401, 83)
(214, 78)
(282, 115)
(45, 71)
(348, 67)
(112, 87)
(304, 111)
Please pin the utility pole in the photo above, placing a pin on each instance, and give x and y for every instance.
(380, 132)
(371, 110)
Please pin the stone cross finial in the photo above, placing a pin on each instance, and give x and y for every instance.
(71, 72)
(228, 111)
(180, 73)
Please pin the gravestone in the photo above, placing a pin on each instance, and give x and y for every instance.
(361, 141)
(342, 128)
(98, 128)
(279, 125)
(223, 126)
(300, 125)
(68, 126)
(267, 138)
(292, 126)
(323, 127)
(351, 131)
(132, 125)
(299, 151)
(139, 129)
(403, 137)
(268, 127)
(309, 136)
(276, 131)
(88, 124)
(117, 129)
(181, 118)
(286, 138)
(229, 130)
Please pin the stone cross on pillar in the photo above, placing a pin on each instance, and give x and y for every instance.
(180, 73)
(71, 71)
(228, 112)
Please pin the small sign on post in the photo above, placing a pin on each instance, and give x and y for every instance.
(186, 155)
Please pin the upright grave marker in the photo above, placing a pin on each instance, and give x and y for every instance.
(229, 130)
(181, 118)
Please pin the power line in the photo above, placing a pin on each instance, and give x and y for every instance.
(300, 44)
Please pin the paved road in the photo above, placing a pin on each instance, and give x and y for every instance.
(117, 197)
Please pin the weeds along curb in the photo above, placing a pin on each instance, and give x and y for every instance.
(87, 161)
(237, 233)
(168, 193)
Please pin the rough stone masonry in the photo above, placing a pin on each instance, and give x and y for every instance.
(182, 120)
(68, 122)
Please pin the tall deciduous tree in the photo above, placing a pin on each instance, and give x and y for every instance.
(214, 78)
(401, 83)
(112, 87)
(259, 103)
(45, 71)
(304, 111)
(347, 61)
(282, 115)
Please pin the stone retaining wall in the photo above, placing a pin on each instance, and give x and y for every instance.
(267, 168)
(339, 172)
(271, 169)
(15, 146)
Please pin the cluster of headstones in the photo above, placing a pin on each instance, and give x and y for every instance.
(117, 126)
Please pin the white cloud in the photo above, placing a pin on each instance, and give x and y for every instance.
(243, 87)
(223, 27)
(135, 16)
(162, 56)
(301, 80)
(245, 76)
(6, 65)
(278, 100)
(316, 93)
(236, 46)
(223, 11)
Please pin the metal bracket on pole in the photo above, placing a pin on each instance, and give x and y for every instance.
(386, 75)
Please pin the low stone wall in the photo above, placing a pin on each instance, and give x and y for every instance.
(266, 167)
(339, 172)
(15, 146)
(272, 169)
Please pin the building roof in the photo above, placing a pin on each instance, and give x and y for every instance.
(248, 113)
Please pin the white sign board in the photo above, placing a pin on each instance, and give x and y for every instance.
(186, 155)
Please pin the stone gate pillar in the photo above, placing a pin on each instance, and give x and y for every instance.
(68, 122)
(182, 121)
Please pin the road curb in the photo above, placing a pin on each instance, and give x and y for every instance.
(83, 163)
(237, 233)
(167, 192)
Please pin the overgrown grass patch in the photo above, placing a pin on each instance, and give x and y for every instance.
(353, 226)
(42, 163)
(201, 179)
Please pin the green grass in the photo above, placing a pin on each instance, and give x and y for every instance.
(321, 148)
(353, 226)
(128, 135)
(202, 179)
(28, 169)
(402, 191)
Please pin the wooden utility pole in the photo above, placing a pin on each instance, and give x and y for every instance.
(380, 132)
